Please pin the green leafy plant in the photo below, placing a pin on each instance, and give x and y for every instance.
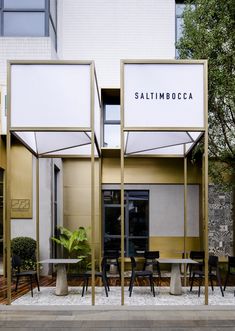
(75, 244)
(25, 248)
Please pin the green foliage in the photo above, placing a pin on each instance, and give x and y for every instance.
(209, 34)
(75, 244)
(25, 248)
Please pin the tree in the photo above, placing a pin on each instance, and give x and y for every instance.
(209, 33)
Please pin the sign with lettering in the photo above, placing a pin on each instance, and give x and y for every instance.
(164, 95)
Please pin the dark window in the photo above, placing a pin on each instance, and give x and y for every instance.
(111, 118)
(136, 221)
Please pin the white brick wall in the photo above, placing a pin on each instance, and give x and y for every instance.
(23, 49)
(109, 30)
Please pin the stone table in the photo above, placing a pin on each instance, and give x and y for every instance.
(61, 273)
(175, 284)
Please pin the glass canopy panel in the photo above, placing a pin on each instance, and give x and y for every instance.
(84, 150)
(146, 141)
(55, 141)
(50, 95)
(195, 135)
(167, 151)
(28, 138)
(165, 95)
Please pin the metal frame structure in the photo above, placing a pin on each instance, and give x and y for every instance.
(93, 142)
(204, 132)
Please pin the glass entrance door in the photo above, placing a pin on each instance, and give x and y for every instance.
(136, 221)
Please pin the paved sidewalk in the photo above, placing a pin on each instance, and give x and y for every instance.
(117, 318)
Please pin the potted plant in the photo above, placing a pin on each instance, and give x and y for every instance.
(75, 244)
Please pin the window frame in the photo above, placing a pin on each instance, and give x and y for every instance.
(47, 19)
(127, 236)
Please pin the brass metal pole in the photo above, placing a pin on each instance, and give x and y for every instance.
(206, 182)
(8, 216)
(92, 188)
(37, 217)
(185, 209)
(122, 189)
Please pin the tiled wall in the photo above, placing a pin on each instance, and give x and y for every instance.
(220, 222)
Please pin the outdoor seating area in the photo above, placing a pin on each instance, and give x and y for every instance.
(144, 284)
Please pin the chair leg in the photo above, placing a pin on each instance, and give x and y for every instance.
(219, 282)
(192, 280)
(84, 285)
(31, 284)
(87, 280)
(226, 280)
(152, 285)
(131, 285)
(105, 286)
(37, 282)
(199, 287)
(17, 282)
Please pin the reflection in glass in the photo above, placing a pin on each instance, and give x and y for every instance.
(112, 112)
(138, 218)
(24, 4)
(138, 246)
(112, 220)
(24, 24)
(112, 244)
(112, 135)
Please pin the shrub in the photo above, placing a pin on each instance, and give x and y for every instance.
(25, 248)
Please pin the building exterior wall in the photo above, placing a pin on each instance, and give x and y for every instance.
(143, 175)
(106, 31)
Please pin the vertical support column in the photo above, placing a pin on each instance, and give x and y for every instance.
(206, 180)
(185, 210)
(8, 216)
(92, 187)
(122, 186)
(37, 218)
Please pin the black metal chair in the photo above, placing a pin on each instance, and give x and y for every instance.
(102, 274)
(16, 266)
(112, 260)
(150, 262)
(231, 269)
(140, 273)
(214, 273)
(198, 256)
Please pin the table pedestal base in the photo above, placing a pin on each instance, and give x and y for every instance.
(175, 285)
(61, 280)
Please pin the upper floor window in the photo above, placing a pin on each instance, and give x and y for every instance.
(111, 118)
(179, 9)
(28, 18)
(179, 21)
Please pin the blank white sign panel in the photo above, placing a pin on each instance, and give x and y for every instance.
(163, 95)
(50, 95)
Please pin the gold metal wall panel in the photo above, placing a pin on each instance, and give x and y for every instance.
(3, 161)
(173, 246)
(149, 171)
(77, 194)
(21, 182)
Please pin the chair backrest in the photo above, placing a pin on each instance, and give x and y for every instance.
(213, 262)
(151, 255)
(16, 262)
(197, 255)
(231, 262)
(112, 255)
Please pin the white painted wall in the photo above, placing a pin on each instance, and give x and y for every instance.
(109, 30)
